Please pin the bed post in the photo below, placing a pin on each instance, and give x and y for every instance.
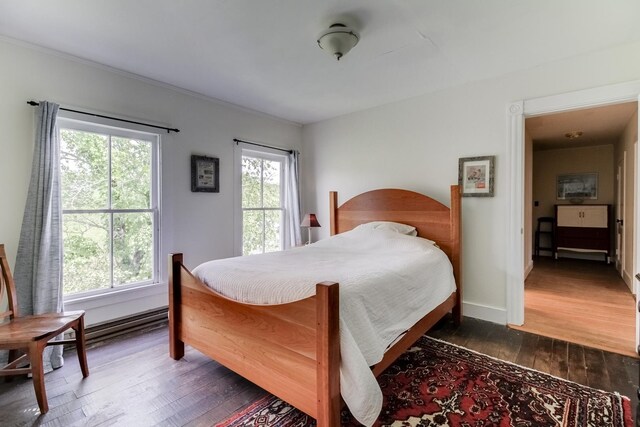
(328, 354)
(456, 252)
(333, 212)
(176, 346)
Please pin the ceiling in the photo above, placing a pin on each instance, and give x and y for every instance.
(599, 126)
(263, 55)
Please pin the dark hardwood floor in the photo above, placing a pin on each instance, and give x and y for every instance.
(134, 382)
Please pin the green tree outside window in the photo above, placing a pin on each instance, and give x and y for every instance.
(108, 217)
(261, 205)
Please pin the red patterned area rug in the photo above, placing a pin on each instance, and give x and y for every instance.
(440, 384)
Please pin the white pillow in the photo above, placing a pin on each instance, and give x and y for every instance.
(388, 225)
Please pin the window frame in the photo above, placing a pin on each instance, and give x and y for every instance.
(69, 121)
(241, 150)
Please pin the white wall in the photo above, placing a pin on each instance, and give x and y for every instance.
(548, 164)
(412, 144)
(416, 143)
(198, 224)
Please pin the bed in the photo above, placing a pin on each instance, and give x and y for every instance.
(293, 350)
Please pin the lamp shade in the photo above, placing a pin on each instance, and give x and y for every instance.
(310, 220)
(338, 40)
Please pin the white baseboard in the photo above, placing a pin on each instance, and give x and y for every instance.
(628, 280)
(485, 312)
(528, 269)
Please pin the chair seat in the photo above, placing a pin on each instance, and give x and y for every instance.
(23, 330)
(32, 334)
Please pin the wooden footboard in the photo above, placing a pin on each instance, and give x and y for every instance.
(291, 350)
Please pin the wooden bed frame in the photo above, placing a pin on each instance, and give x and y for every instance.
(293, 350)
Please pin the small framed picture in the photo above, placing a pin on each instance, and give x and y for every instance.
(577, 186)
(205, 174)
(476, 175)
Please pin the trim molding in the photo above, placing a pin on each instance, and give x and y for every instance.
(147, 80)
(594, 97)
(636, 222)
(485, 312)
(115, 297)
(515, 232)
(528, 269)
(122, 303)
(628, 280)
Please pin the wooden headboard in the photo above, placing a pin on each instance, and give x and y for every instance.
(432, 219)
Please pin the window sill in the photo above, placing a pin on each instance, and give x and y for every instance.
(114, 297)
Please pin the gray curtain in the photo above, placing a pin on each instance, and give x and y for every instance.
(292, 202)
(38, 269)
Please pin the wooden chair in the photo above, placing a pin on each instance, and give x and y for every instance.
(31, 334)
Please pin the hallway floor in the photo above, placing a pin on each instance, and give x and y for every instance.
(584, 302)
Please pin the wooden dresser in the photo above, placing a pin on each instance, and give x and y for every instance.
(583, 228)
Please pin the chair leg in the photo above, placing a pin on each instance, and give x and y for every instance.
(13, 355)
(80, 347)
(37, 371)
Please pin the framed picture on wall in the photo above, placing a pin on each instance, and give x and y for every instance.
(577, 186)
(205, 174)
(476, 176)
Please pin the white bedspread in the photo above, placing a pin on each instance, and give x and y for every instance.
(388, 281)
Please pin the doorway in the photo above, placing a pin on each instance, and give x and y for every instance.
(518, 231)
(579, 167)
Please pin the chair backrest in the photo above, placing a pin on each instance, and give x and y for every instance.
(7, 286)
(548, 220)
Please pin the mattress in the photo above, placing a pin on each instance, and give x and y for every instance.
(388, 281)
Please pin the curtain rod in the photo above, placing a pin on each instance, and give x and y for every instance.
(262, 145)
(169, 130)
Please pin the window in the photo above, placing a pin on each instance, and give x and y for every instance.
(263, 213)
(110, 207)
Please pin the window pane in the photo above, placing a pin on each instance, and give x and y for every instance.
(85, 170)
(272, 225)
(251, 182)
(132, 247)
(252, 238)
(130, 173)
(86, 252)
(271, 186)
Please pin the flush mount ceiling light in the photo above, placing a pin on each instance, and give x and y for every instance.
(573, 134)
(338, 40)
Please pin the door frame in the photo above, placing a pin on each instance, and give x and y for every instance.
(621, 182)
(635, 259)
(516, 113)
